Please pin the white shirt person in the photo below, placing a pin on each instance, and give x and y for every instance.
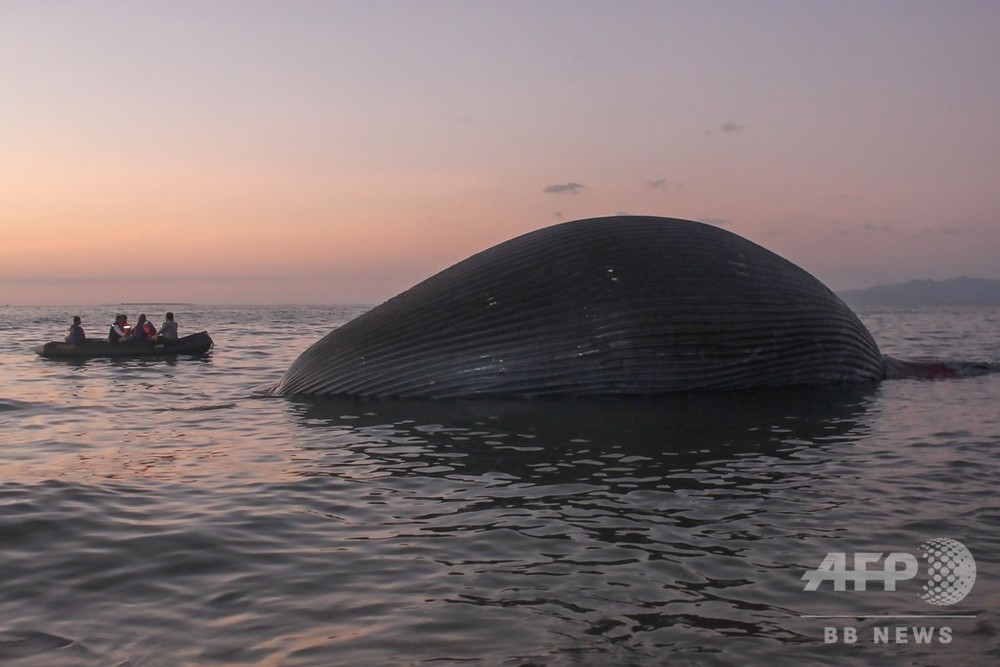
(168, 330)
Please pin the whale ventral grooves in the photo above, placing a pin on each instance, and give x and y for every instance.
(606, 306)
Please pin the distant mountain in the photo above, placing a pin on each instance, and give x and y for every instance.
(954, 292)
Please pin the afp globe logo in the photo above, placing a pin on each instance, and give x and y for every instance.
(951, 571)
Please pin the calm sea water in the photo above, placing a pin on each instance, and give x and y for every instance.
(170, 513)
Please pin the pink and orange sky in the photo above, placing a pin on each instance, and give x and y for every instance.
(338, 152)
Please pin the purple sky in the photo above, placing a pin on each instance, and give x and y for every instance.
(328, 152)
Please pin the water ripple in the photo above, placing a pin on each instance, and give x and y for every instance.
(158, 513)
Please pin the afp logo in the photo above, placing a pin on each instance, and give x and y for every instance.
(949, 567)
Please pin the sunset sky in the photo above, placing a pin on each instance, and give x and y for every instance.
(338, 151)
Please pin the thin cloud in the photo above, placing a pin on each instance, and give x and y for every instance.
(852, 227)
(564, 188)
(956, 230)
(729, 127)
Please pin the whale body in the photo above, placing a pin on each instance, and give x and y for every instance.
(622, 305)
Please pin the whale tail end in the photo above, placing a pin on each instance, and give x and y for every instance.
(935, 369)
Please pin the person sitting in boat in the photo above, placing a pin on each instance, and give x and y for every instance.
(168, 330)
(76, 334)
(143, 330)
(121, 330)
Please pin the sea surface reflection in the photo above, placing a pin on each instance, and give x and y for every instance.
(619, 445)
(164, 513)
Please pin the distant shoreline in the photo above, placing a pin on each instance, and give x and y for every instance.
(953, 292)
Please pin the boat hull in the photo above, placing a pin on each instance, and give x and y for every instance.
(194, 344)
